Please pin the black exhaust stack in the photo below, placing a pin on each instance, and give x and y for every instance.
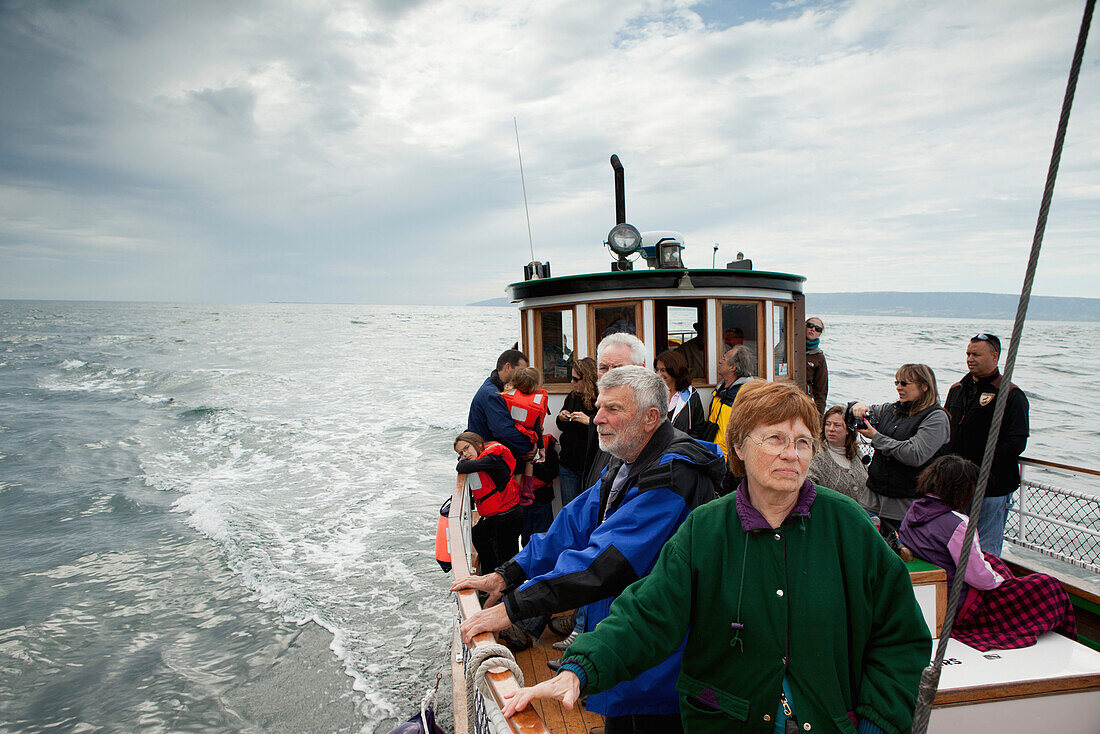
(620, 191)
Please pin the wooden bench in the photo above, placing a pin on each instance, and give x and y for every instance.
(1024, 690)
(930, 588)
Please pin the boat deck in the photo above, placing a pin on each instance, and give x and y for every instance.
(532, 662)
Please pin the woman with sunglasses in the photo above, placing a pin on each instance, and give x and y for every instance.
(907, 436)
(817, 371)
(575, 421)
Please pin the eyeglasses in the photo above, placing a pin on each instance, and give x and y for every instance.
(776, 443)
(815, 327)
(574, 378)
(902, 383)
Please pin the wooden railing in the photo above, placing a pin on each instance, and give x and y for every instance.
(501, 681)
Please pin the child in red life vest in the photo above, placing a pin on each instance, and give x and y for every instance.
(488, 467)
(528, 403)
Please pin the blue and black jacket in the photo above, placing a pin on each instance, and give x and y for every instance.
(594, 550)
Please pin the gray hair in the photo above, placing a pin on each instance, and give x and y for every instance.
(637, 348)
(742, 360)
(649, 389)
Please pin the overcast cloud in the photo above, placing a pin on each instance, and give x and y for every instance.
(365, 152)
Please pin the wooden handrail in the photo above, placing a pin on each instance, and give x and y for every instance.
(1056, 465)
(501, 681)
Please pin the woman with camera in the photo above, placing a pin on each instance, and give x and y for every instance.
(839, 465)
(906, 436)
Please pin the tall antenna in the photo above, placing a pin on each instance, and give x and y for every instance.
(524, 185)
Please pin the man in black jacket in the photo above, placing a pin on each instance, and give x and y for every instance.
(970, 405)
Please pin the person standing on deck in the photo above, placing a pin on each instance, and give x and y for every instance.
(489, 416)
(817, 371)
(609, 537)
(735, 368)
(694, 352)
(970, 404)
(614, 350)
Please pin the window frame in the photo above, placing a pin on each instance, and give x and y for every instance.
(761, 324)
(536, 353)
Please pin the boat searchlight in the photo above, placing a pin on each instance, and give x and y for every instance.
(624, 240)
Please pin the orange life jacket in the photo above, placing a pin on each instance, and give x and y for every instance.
(442, 543)
(527, 410)
(489, 498)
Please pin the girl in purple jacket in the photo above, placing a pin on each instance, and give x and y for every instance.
(1000, 611)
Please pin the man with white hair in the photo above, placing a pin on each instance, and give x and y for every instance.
(610, 536)
(614, 350)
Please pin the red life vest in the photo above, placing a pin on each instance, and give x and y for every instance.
(527, 410)
(489, 498)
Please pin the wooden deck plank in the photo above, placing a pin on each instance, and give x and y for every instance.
(532, 662)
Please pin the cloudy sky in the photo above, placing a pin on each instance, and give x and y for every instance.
(364, 151)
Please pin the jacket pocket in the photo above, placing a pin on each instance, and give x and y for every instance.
(702, 700)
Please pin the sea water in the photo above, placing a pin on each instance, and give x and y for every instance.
(221, 517)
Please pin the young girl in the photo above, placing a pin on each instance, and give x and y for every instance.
(528, 403)
(1000, 612)
(488, 468)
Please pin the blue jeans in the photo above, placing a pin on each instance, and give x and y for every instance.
(991, 523)
(536, 519)
(570, 483)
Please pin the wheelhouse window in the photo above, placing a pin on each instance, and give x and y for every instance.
(681, 325)
(780, 348)
(740, 324)
(555, 343)
(609, 318)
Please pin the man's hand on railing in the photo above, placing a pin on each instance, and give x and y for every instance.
(565, 687)
(493, 584)
(493, 619)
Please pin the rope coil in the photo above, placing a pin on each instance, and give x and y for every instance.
(482, 659)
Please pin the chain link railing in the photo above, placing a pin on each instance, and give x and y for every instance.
(1055, 521)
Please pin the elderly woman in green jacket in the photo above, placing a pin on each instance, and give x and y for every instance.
(796, 614)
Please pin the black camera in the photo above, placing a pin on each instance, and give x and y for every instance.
(853, 423)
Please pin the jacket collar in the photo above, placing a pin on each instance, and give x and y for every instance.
(993, 380)
(752, 520)
(495, 379)
(654, 448)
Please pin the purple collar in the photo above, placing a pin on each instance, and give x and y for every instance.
(752, 520)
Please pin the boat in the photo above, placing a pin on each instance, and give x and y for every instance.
(666, 304)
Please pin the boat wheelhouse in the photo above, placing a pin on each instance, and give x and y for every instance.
(563, 319)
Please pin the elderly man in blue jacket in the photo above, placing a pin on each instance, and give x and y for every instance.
(610, 536)
(489, 416)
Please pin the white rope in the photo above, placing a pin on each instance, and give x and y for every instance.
(482, 659)
(429, 701)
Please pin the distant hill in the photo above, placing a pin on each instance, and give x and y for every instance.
(945, 304)
(502, 301)
(954, 305)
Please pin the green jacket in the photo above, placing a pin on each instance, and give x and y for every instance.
(826, 581)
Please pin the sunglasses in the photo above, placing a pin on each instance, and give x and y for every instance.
(993, 341)
(903, 383)
(815, 327)
(574, 378)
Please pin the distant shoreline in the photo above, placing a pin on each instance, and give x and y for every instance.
(935, 305)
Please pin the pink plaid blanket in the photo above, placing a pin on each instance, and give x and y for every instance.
(1015, 613)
